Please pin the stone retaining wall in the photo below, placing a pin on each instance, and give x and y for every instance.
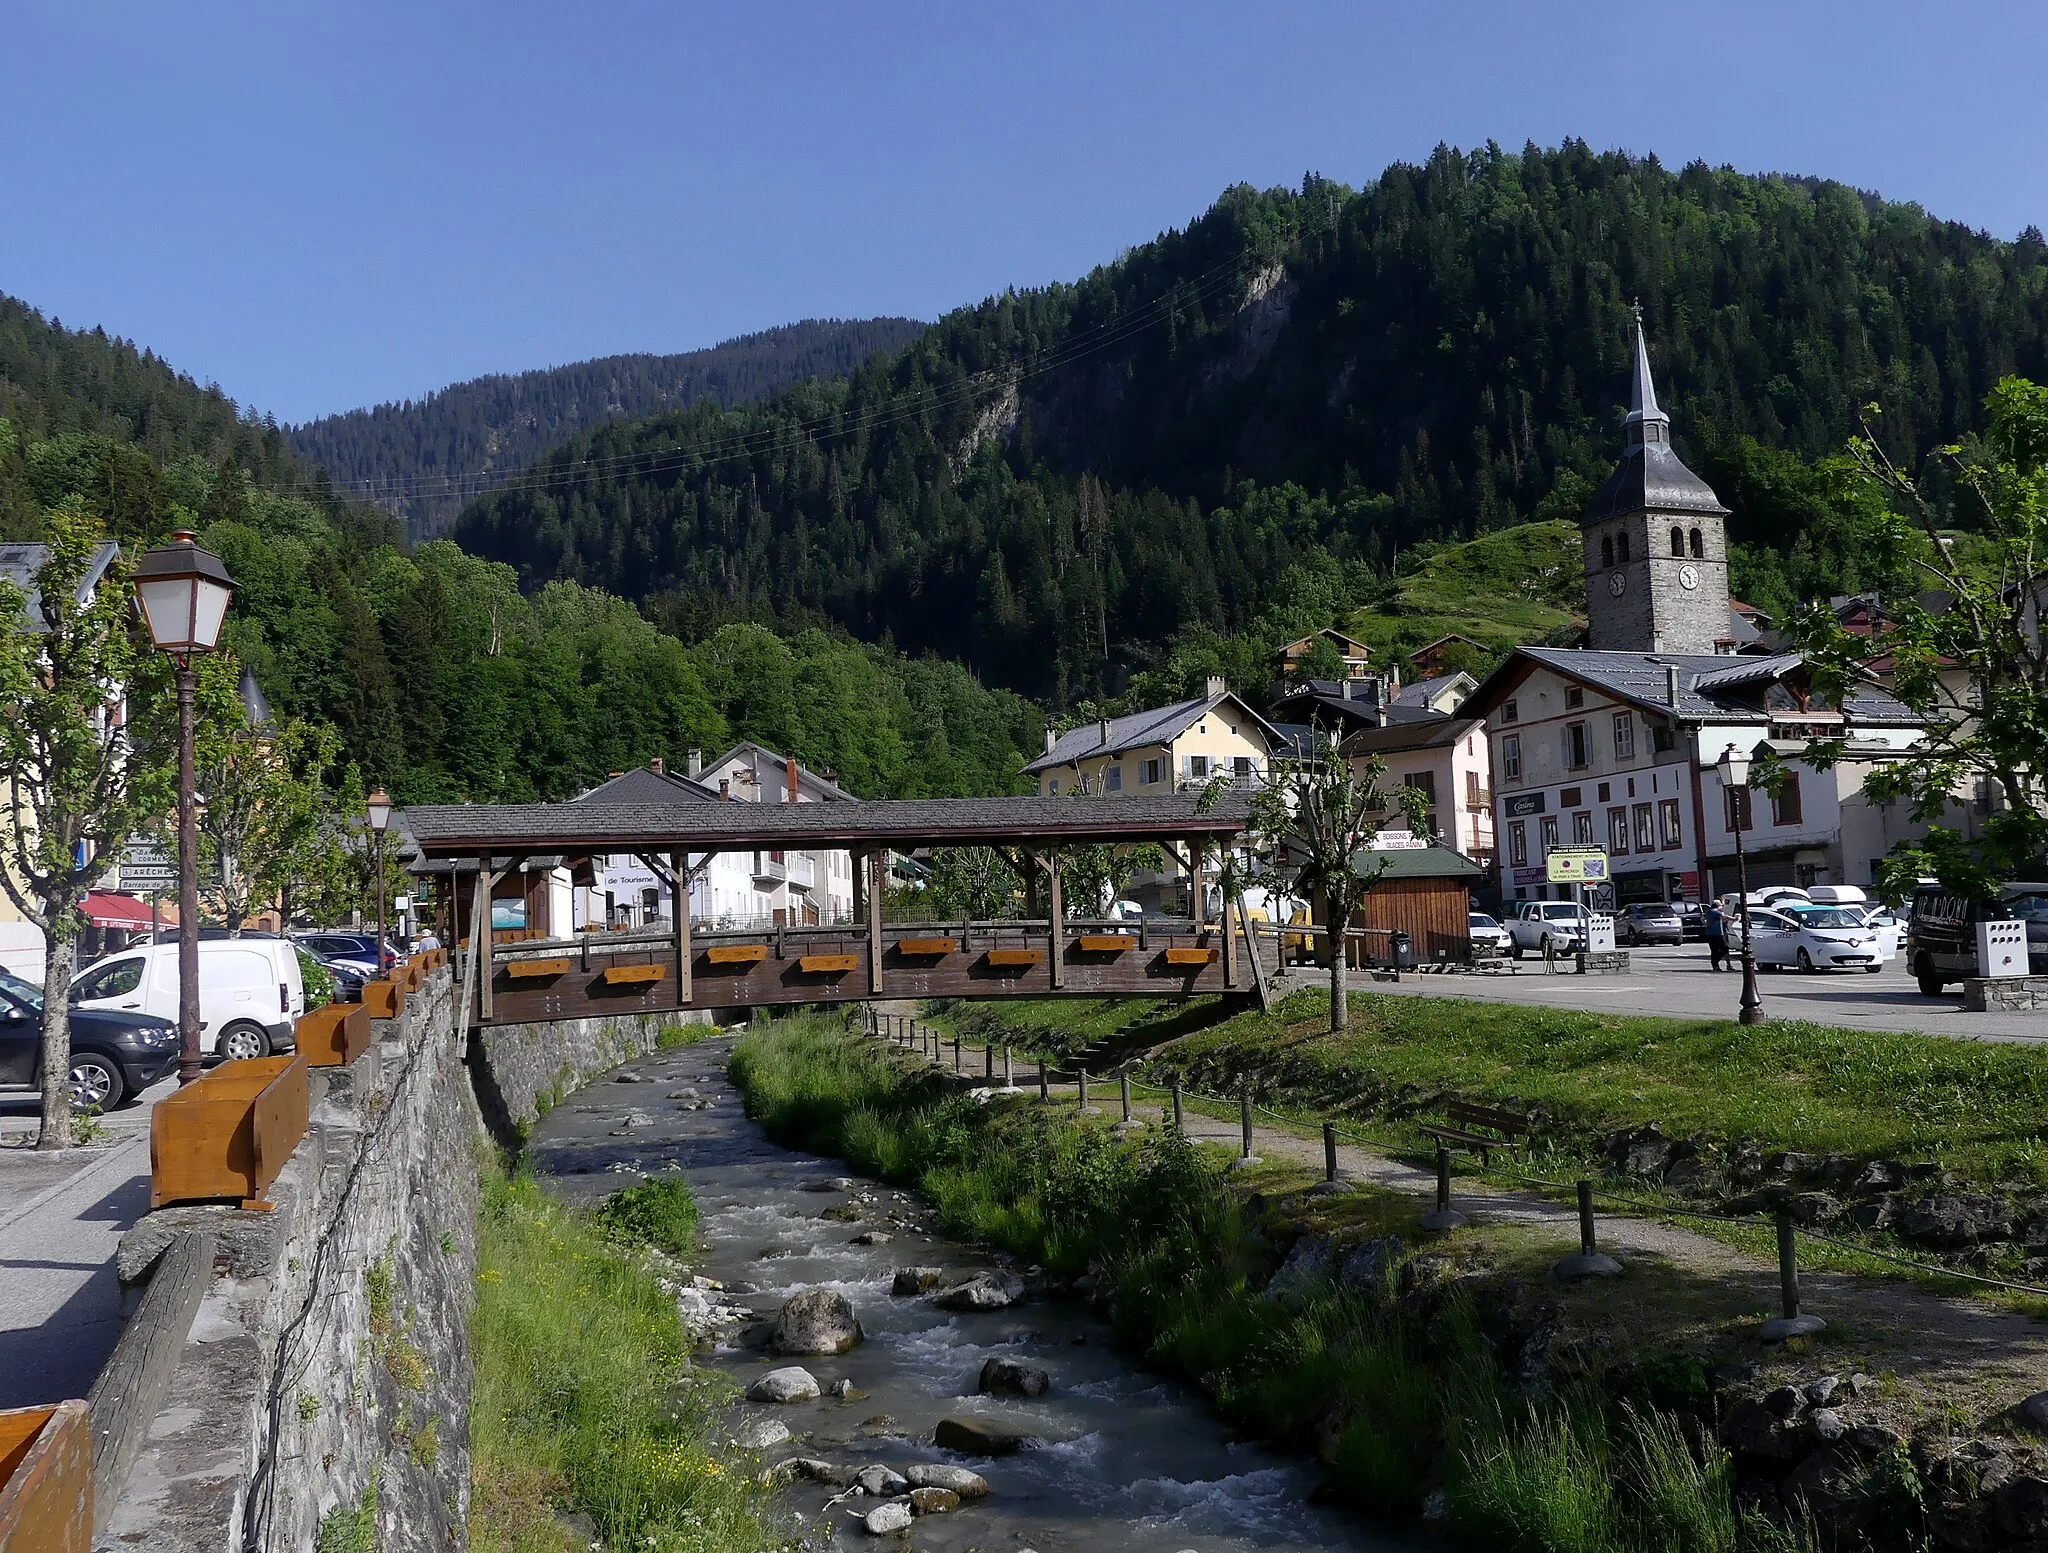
(2005, 994)
(520, 1070)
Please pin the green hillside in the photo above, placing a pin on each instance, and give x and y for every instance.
(1061, 485)
(1520, 585)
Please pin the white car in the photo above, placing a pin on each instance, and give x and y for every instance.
(1558, 925)
(251, 991)
(1488, 936)
(1817, 938)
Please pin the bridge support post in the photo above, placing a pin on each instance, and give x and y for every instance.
(1043, 1092)
(1127, 1096)
(480, 939)
(1229, 884)
(956, 1054)
(988, 1062)
(1197, 886)
(877, 865)
(679, 871)
(1058, 932)
(1007, 1084)
(1178, 1128)
(1081, 1088)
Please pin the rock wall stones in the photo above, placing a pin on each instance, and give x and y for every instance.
(520, 1070)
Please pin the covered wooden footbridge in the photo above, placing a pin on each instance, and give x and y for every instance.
(679, 964)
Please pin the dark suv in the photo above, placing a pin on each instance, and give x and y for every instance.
(1941, 937)
(114, 1055)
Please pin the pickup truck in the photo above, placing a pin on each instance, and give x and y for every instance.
(1559, 924)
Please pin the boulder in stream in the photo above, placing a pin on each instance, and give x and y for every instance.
(792, 1383)
(933, 1501)
(881, 1482)
(816, 1321)
(887, 1519)
(984, 1291)
(979, 1437)
(757, 1434)
(917, 1280)
(955, 1480)
(1013, 1377)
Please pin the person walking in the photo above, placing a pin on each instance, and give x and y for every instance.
(1714, 925)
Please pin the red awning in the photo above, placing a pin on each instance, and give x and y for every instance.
(104, 908)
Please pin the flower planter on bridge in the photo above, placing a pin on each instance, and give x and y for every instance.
(334, 1036)
(384, 999)
(46, 1479)
(229, 1134)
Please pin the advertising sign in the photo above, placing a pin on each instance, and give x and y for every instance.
(1576, 865)
(1520, 804)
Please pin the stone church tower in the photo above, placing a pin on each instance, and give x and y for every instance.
(1656, 548)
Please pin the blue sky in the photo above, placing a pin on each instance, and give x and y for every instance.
(320, 206)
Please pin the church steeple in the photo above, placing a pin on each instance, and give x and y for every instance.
(1646, 423)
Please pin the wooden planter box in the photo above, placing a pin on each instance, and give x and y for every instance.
(229, 1134)
(827, 964)
(1191, 957)
(536, 970)
(334, 1036)
(633, 975)
(384, 999)
(1105, 943)
(922, 946)
(1014, 959)
(46, 1479)
(736, 954)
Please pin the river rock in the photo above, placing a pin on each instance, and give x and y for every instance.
(933, 1501)
(1013, 1377)
(1641, 1151)
(880, 1482)
(1753, 1430)
(1819, 1393)
(873, 1237)
(792, 1383)
(979, 1437)
(757, 1434)
(2022, 1508)
(916, 1280)
(816, 1321)
(828, 1473)
(831, 1184)
(1827, 1425)
(1813, 1208)
(984, 1291)
(955, 1480)
(2034, 1410)
(1365, 1268)
(1951, 1220)
(887, 1519)
(627, 1078)
(1825, 1484)
(1310, 1261)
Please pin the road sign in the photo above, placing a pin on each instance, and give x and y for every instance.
(1576, 865)
(145, 866)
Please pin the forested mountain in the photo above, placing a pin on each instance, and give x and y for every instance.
(444, 682)
(1064, 486)
(422, 460)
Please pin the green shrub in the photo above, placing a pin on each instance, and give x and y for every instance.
(659, 1213)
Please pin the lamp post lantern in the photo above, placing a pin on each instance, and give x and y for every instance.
(1733, 767)
(379, 809)
(183, 592)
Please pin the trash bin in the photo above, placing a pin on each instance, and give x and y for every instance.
(1403, 948)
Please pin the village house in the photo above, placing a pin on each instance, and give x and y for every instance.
(1163, 750)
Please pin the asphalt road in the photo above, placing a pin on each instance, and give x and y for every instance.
(61, 1217)
(1676, 983)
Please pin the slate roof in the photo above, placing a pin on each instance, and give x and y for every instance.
(642, 785)
(19, 564)
(1424, 690)
(1436, 862)
(1136, 730)
(444, 830)
(1653, 477)
(1712, 687)
(1430, 734)
(760, 757)
(1313, 703)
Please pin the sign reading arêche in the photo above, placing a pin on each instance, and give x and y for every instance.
(1576, 865)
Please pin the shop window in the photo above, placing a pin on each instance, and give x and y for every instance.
(1617, 831)
(1582, 828)
(1646, 833)
(1518, 844)
(1673, 833)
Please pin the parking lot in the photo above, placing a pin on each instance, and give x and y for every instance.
(1674, 982)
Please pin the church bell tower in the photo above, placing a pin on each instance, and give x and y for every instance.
(1656, 544)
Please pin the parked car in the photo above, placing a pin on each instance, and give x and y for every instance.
(114, 1055)
(1692, 918)
(1813, 938)
(347, 950)
(1556, 926)
(1649, 922)
(251, 991)
(1778, 895)
(1837, 895)
(1488, 936)
(1941, 934)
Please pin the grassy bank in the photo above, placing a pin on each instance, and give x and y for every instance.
(585, 1403)
(1396, 1385)
(1973, 1106)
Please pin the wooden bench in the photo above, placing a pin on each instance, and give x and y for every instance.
(924, 946)
(633, 975)
(1504, 1129)
(736, 954)
(1104, 943)
(229, 1133)
(334, 1036)
(535, 970)
(46, 1479)
(827, 964)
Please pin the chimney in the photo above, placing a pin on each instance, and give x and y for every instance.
(1347, 689)
(789, 774)
(658, 766)
(1215, 687)
(1671, 685)
(1051, 738)
(696, 763)
(724, 787)
(1379, 714)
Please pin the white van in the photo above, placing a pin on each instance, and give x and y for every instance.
(251, 992)
(1837, 895)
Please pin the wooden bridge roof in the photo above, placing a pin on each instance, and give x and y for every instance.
(465, 830)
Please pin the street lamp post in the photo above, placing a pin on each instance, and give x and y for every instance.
(1734, 769)
(379, 807)
(183, 593)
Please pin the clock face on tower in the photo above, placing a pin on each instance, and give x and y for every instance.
(1617, 583)
(1688, 576)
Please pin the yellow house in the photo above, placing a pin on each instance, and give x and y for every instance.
(1163, 750)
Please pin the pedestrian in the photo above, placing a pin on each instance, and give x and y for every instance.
(1714, 924)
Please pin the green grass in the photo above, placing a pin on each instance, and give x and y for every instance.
(659, 1213)
(1184, 1262)
(1974, 1106)
(1520, 584)
(584, 1399)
